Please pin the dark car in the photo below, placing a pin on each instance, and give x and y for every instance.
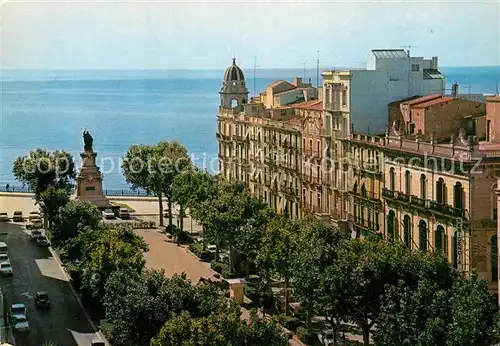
(42, 300)
(42, 241)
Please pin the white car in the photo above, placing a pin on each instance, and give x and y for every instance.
(4, 257)
(6, 268)
(34, 215)
(124, 214)
(108, 214)
(18, 309)
(4, 217)
(21, 323)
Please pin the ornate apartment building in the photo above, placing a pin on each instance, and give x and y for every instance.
(259, 144)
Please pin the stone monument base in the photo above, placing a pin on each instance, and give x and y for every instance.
(89, 182)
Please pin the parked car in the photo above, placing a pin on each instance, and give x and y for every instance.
(326, 337)
(124, 213)
(4, 257)
(34, 223)
(21, 323)
(108, 214)
(18, 309)
(35, 234)
(42, 241)
(18, 216)
(34, 215)
(6, 268)
(42, 300)
(97, 342)
(4, 216)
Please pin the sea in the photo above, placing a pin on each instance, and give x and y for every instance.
(50, 109)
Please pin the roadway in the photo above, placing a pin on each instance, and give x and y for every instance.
(36, 269)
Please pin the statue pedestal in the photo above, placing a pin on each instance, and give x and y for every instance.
(89, 182)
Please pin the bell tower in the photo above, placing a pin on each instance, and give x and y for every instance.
(234, 92)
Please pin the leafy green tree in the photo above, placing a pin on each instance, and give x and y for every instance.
(71, 218)
(191, 187)
(277, 250)
(318, 247)
(113, 249)
(224, 216)
(373, 265)
(138, 304)
(50, 175)
(140, 170)
(172, 159)
(220, 328)
(465, 314)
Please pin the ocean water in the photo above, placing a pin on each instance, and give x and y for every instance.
(51, 109)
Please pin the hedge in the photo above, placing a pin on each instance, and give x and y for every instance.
(135, 224)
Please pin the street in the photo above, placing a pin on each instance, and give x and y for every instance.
(35, 269)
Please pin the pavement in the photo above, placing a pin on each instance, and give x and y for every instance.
(36, 269)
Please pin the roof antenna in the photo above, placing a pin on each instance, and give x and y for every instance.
(317, 71)
(409, 66)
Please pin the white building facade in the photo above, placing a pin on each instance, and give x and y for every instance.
(361, 95)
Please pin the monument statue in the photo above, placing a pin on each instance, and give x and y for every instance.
(87, 140)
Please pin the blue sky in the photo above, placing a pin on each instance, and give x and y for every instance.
(206, 34)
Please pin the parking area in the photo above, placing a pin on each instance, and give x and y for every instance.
(36, 269)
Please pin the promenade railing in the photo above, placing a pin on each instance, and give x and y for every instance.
(107, 192)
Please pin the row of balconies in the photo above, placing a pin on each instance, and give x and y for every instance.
(427, 204)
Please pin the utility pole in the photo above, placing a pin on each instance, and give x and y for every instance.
(409, 67)
(317, 71)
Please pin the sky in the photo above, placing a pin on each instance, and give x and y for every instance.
(207, 34)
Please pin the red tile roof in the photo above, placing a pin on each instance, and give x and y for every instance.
(423, 99)
(312, 104)
(295, 121)
(434, 102)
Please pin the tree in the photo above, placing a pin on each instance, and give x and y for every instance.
(465, 314)
(172, 159)
(226, 214)
(71, 218)
(113, 249)
(191, 187)
(317, 249)
(49, 175)
(277, 250)
(220, 328)
(373, 265)
(139, 172)
(138, 304)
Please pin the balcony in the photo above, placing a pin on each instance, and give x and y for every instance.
(241, 139)
(315, 180)
(333, 106)
(424, 204)
(289, 190)
(362, 223)
(311, 153)
(223, 137)
(311, 209)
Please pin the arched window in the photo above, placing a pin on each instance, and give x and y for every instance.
(423, 186)
(407, 183)
(407, 231)
(440, 188)
(439, 239)
(234, 103)
(494, 258)
(458, 200)
(422, 234)
(391, 224)
(392, 179)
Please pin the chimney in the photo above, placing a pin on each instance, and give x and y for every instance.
(297, 81)
(434, 63)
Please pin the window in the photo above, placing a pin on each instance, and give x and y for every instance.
(363, 190)
(440, 189)
(423, 187)
(439, 238)
(407, 231)
(415, 67)
(407, 182)
(458, 201)
(422, 232)
(412, 128)
(90, 188)
(391, 225)
(344, 97)
(392, 179)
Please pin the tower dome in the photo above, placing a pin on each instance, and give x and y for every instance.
(234, 73)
